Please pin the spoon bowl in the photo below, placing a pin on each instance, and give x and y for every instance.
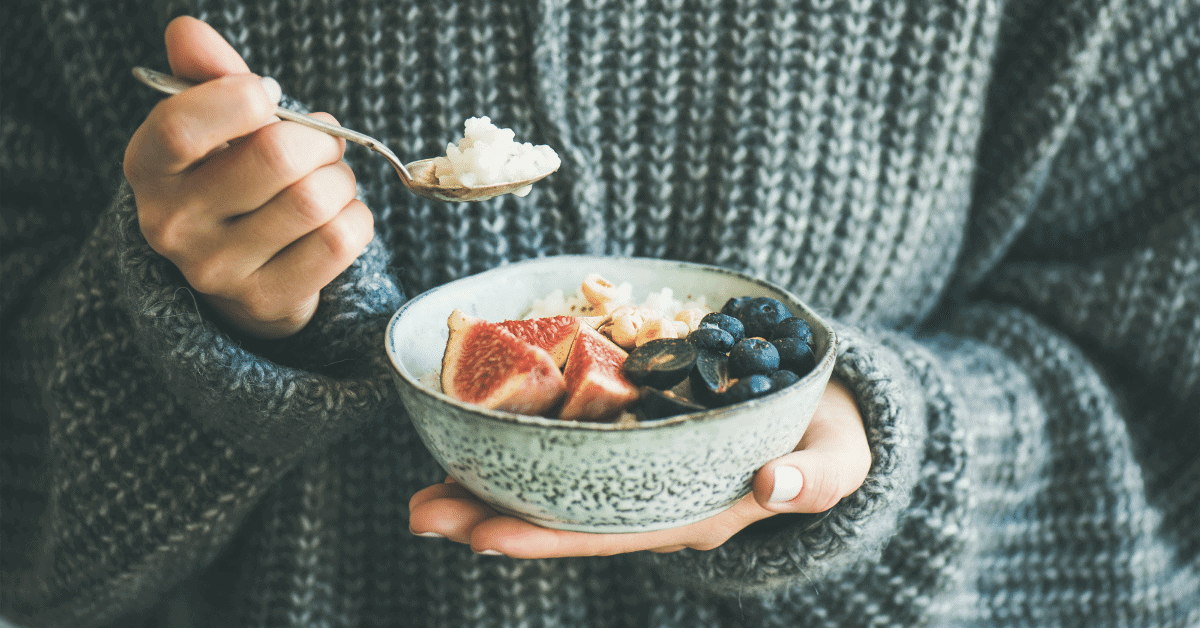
(417, 176)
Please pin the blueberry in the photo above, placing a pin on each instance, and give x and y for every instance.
(783, 378)
(795, 355)
(792, 328)
(748, 388)
(712, 338)
(734, 305)
(725, 322)
(753, 356)
(760, 316)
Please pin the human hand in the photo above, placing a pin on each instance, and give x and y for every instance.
(830, 462)
(258, 214)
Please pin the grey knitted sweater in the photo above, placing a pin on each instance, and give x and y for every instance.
(997, 200)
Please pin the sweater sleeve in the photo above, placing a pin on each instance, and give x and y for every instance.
(1000, 446)
(165, 430)
(1036, 440)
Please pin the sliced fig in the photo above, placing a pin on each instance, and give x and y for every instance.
(710, 378)
(660, 404)
(661, 363)
(596, 387)
(555, 334)
(489, 366)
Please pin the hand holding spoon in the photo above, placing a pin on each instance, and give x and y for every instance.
(417, 176)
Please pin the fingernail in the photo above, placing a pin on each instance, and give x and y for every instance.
(271, 86)
(788, 482)
(489, 552)
(429, 535)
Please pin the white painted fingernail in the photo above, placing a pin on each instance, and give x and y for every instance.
(271, 86)
(490, 552)
(788, 482)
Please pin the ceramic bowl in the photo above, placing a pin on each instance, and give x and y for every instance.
(598, 477)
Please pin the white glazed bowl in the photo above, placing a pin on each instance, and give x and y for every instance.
(598, 477)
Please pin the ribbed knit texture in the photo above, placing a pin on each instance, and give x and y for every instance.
(997, 201)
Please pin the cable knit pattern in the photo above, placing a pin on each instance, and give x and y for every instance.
(997, 201)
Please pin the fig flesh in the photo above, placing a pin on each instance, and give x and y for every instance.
(489, 366)
(596, 386)
(555, 334)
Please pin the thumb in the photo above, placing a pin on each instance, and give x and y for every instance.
(804, 481)
(832, 461)
(198, 52)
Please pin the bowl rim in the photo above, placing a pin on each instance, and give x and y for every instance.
(822, 369)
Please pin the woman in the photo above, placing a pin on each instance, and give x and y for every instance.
(996, 202)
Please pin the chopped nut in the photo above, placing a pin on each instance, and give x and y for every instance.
(655, 328)
(598, 290)
(691, 317)
(625, 324)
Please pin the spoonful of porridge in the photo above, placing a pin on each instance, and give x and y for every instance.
(485, 163)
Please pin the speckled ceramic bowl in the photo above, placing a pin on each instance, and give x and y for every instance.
(598, 477)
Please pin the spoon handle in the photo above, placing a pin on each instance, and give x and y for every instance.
(169, 84)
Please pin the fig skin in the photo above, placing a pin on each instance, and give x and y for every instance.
(486, 365)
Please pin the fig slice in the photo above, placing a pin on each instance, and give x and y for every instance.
(555, 334)
(596, 387)
(489, 366)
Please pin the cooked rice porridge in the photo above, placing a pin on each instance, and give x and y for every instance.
(489, 155)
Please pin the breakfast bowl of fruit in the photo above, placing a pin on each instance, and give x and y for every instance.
(606, 394)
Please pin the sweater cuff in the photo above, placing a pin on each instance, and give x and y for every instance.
(788, 548)
(283, 397)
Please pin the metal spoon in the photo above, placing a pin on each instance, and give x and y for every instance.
(417, 176)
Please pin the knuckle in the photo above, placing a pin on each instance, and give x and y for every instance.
(276, 154)
(258, 306)
(132, 165)
(176, 138)
(309, 202)
(340, 238)
(167, 235)
(251, 96)
(206, 278)
(318, 197)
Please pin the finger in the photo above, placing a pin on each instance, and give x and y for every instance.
(303, 207)
(449, 517)
(188, 126)
(246, 176)
(308, 264)
(831, 462)
(198, 52)
(437, 491)
(521, 539)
